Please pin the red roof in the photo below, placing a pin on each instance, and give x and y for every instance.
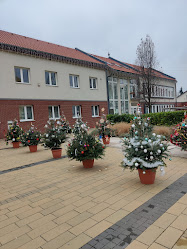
(30, 43)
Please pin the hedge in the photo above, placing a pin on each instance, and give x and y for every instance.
(160, 118)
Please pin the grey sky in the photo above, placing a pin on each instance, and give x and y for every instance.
(102, 26)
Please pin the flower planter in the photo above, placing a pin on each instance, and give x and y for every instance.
(88, 163)
(148, 177)
(15, 144)
(33, 148)
(57, 153)
(106, 140)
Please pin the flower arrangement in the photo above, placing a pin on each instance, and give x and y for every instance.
(54, 135)
(179, 137)
(14, 133)
(31, 137)
(144, 149)
(103, 126)
(84, 147)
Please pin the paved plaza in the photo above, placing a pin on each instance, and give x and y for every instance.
(50, 203)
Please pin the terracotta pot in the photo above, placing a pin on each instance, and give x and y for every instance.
(148, 177)
(15, 144)
(106, 140)
(57, 153)
(33, 148)
(88, 163)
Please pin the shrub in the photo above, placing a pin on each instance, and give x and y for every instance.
(160, 118)
(163, 130)
(121, 128)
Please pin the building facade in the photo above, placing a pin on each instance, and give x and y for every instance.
(40, 80)
(182, 100)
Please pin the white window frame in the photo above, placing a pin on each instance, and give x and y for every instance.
(50, 81)
(21, 74)
(93, 111)
(91, 81)
(25, 113)
(112, 81)
(73, 80)
(76, 111)
(53, 112)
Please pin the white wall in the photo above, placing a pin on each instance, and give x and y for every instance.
(10, 89)
(182, 98)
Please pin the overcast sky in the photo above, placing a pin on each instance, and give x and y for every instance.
(102, 26)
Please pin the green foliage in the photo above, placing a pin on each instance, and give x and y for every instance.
(160, 118)
(103, 125)
(179, 137)
(14, 133)
(54, 135)
(144, 149)
(116, 118)
(85, 147)
(80, 128)
(31, 137)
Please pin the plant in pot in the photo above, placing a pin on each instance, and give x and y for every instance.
(144, 150)
(84, 147)
(14, 134)
(103, 127)
(54, 136)
(31, 138)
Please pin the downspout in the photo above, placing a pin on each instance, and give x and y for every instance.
(107, 89)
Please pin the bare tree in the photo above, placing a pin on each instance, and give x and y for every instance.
(147, 62)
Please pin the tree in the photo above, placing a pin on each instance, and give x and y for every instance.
(181, 91)
(147, 62)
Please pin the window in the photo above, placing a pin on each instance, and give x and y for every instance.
(54, 112)
(50, 78)
(21, 75)
(93, 83)
(26, 113)
(113, 95)
(76, 109)
(74, 81)
(95, 111)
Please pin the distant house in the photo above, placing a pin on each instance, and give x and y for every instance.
(40, 80)
(182, 100)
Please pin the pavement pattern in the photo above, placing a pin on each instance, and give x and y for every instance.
(48, 203)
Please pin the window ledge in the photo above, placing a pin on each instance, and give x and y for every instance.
(93, 88)
(51, 85)
(77, 117)
(27, 120)
(74, 87)
(96, 116)
(54, 118)
(23, 83)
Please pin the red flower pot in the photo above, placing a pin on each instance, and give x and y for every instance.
(33, 148)
(57, 153)
(88, 163)
(15, 144)
(148, 177)
(106, 140)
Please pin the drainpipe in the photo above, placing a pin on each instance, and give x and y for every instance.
(107, 89)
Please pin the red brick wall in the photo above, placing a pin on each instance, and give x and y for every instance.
(9, 110)
(181, 104)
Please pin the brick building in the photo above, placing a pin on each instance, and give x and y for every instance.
(39, 80)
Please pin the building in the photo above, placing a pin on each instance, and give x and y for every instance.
(182, 100)
(39, 80)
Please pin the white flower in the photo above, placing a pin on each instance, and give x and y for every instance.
(13, 139)
(136, 164)
(154, 134)
(149, 141)
(158, 136)
(47, 135)
(133, 125)
(145, 150)
(151, 157)
(139, 123)
(129, 146)
(58, 122)
(141, 147)
(151, 153)
(159, 151)
(136, 149)
(161, 145)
